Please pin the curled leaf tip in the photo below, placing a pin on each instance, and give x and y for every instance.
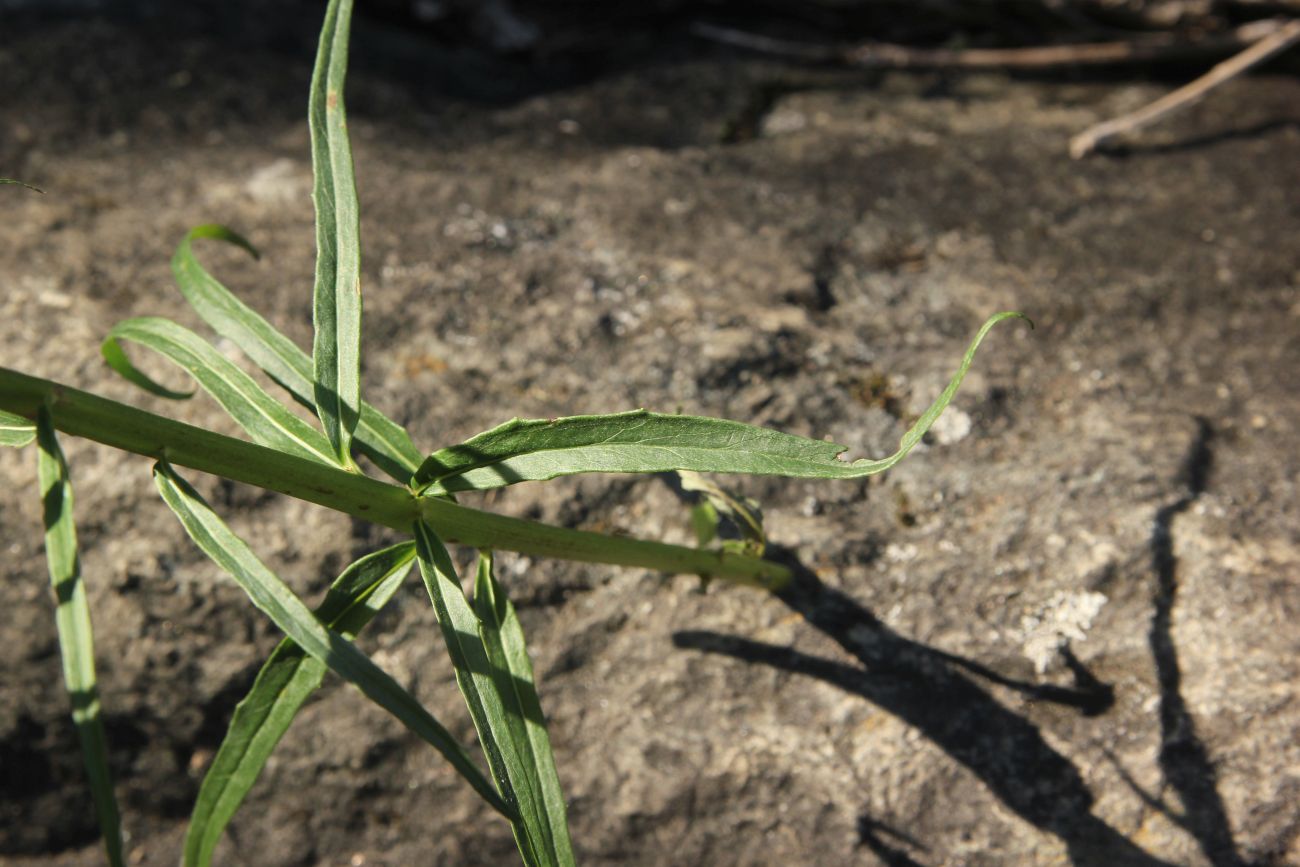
(115, 357)
(222, 233)
(1009, 314)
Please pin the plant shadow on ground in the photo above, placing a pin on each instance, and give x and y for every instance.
(932, 691)
(1185, 762)
(935, 692)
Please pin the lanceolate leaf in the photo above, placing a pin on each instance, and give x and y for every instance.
(285, 681)
(512, 669)
(647, 442)
(267, 421)
(337, 305)
(76, 641)
(383, 441)
(292, 616)
(504, 742)
(15, 430)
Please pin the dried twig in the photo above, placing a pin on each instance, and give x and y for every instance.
(1274, 43)
(882, 55)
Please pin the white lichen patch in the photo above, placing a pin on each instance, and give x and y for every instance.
(280, 182)
(953, 426)
(1063, 618)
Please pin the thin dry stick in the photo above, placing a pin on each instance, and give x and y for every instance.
(883, 55)
(1089, 140)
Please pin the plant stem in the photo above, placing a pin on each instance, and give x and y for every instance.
(464, 526)
(124, 427)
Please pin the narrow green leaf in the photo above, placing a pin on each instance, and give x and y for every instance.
(487, 708)
(380, 439)
(76, 639)
(503, 639)
(336, 349)
(283, 684)
(647, 442)
(292, 616)
(15, 430)
(265, 419)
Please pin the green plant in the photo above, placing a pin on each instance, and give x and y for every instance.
(288, 455)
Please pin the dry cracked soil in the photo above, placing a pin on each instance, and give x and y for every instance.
(1063, 632)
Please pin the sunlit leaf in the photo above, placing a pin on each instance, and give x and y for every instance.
(336, 348)
(647, 442)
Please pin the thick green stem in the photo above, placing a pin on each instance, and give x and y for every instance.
(487, 530)
(124, 427)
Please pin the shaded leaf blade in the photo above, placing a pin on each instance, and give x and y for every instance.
(285, 681)
(647, 442)
(76, 637)
(271, 596)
